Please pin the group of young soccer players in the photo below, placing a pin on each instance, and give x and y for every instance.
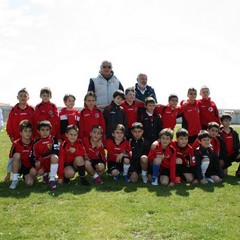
(129, 139)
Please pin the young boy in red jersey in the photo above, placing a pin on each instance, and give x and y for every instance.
(20, 154)
(114, 114)
(140, 149)
(118, 154)
(90, 115)
(208, 109)
(152, 121)
(231, 140)
(46, 110)
(71, 157)
(163, 155)
(191, 115)
(185, 160)
(21, 111)
(207, 163)
(68, 115)
(44, 155)
(131, 106)
(95, 154)
(170, 113)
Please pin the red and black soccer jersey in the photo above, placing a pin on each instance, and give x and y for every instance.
(89, 118)
(228, 138)
(169, 116)
(114, 149)
(47, 111)
(43, 148)
(68, 152)
(191, 118)
(169, 160)
(24, 150)
(94, 153)
(68, 117)
(15, 117)
(152, 125)
(186, 154)
(131, 111)
(208, 112)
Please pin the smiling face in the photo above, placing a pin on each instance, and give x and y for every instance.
(106, 68)
(142, 81)
(69, 103)
(72, 135)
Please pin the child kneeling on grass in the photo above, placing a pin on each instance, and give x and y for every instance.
(95, 154)
(162, 159)
(71, 157)
(208, 169)
(119, 152)
(44, 155)
(20, 154)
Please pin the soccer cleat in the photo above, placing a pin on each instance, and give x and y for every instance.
(209, 180)
(84, 181)
(126, 178)
(177, 180)
(237, 174)
(53, 185)
(154, 181)
(144, 178)
(116, 178)
(98, 180)
(45, 179)
(14, 184)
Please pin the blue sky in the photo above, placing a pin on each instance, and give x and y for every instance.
(178, 44)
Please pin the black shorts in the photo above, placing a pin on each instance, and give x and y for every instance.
(229, 160)
(115, 165)
(96, 162)
(71, 165)
(135, 166)
(24, 170)
(164, 171)
(186, 169)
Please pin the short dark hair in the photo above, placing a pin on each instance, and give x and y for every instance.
(119, 93)
(25, 124)
(171, 96)
(137, 125)
(226, 116)
(119, 127)
(44, 123)
(130, 89)
(72, 127)
(46, 90)
(67, 96)
(166, 132)
(192, 89)
(213, 124)
(97, 127)
(203, 134)
(23, 90)
(149, 100)
(182, 132)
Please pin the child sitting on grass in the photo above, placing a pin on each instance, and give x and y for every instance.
(44, 156)
(71, 157)
(118, 153)
(20, 154)
(95, 154)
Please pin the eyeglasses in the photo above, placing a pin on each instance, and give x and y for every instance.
(107, 66)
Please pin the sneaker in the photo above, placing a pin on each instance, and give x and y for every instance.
(53, 185)
(154, 181)
(98, 180)
(116, 178)
(84, 181)
(177, 180)
(209, 180)
(126, 178)
(45, 179)
(144, 178)
(237, 173)
(14, 184)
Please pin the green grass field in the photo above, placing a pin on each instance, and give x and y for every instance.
(117, 210)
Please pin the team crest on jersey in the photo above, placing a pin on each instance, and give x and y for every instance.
(51, 113)
(97, 153)
(97, 115)
(210, 109)
(49, 145)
